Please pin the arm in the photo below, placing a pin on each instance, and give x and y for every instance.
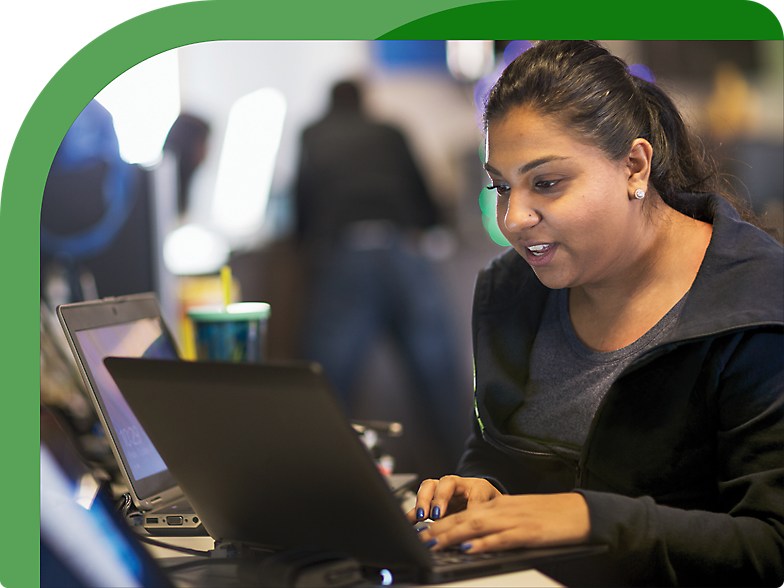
(739, 539)
(303, 191)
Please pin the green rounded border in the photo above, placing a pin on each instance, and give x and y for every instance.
(122, 47)
(572, 19)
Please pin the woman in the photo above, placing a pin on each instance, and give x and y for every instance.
(628, 351)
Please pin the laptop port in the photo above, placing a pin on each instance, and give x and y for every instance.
(152, 521)
(174, 520)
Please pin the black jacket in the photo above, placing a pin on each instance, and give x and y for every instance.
(354, 169)
(683, 467)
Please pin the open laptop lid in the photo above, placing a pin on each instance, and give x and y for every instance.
(123, 326)
(268, 458)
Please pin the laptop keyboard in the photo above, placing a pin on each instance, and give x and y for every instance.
(455, 556)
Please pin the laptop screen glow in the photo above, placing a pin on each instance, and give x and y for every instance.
(140, 338)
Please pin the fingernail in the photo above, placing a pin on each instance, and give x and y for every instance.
(430, 543)
(465, 547)
(420, 514)
(436, 513)
(422, 528)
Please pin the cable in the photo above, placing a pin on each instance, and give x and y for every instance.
(124, 504)
(201, 562)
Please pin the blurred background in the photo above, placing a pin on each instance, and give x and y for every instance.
(189, 161)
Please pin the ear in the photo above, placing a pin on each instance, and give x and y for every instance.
(638, 166)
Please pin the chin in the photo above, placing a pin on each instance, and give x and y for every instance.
(551, 280)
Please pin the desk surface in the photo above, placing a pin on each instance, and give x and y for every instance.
(209, 574)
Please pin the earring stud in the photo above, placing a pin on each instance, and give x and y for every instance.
(639, 194)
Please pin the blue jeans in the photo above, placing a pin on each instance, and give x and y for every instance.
(361, 295)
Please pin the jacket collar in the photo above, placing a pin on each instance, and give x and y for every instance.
(740, 283)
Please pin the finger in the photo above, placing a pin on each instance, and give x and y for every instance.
(480, 492)
(503, 540)
(453, 530)
(448, 487)
(461, 527)
(424, 497)
(516, 521)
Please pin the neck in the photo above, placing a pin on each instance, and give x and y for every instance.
(644, 265)
(660, 270)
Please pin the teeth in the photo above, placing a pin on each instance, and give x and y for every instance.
(538, 249)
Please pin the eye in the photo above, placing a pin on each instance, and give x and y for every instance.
(501, 189)
(546, 184)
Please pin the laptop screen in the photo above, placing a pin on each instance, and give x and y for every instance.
(141, 338)
(130, 326)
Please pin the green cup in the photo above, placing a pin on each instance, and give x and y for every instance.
(234, 333)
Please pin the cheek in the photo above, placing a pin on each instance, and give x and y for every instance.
(585, 223)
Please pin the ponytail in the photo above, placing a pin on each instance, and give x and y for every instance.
(594, 94)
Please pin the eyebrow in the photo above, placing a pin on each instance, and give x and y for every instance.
(528, 166)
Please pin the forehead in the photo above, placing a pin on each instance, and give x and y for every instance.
(524, 134)
(523, 128)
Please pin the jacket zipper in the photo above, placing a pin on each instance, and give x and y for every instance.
(504, 447)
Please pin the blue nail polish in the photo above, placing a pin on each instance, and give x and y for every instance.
(436, 513)
(465, 547)
(422, 528)
(430, 543)
(420, 514)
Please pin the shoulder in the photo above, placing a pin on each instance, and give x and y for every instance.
(741, 280)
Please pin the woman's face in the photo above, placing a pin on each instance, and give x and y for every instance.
(562, 204)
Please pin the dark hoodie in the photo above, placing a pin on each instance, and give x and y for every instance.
(683, 467)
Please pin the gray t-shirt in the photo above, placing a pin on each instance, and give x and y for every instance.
(568, 379)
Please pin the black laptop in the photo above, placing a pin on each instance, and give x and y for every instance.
(268, 460)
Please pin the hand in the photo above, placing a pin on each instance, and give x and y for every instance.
(506, 522)
(450, 494)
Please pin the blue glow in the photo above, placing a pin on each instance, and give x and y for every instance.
(643, 72)
(386, 577)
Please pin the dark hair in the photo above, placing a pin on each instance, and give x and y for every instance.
(593, 94)
(346, 95)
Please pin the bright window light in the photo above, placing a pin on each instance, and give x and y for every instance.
(247, 162)
(469, 60)
(144, 103)
(194, 250)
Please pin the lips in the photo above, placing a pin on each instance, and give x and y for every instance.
(539, 250)
(540, 254)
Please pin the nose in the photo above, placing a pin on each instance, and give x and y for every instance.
(519, 214)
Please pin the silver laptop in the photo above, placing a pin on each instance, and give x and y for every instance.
(129, 326)
(270, 461)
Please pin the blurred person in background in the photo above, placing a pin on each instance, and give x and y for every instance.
(361, 208)
(95, 217)
(187, 141)
(628, 348)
